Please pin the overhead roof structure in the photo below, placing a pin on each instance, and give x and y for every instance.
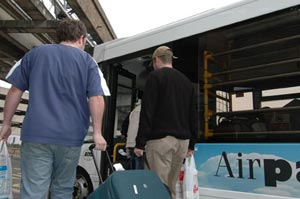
(26, 24)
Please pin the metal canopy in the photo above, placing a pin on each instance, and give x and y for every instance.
(26, 24)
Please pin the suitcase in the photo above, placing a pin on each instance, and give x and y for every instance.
(131, 184)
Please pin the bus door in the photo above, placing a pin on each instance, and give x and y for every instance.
(122, 85)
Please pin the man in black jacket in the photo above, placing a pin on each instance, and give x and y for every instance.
(167, 125)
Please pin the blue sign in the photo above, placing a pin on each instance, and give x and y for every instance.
(271, 169)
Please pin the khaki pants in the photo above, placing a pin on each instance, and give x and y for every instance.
(165, 157)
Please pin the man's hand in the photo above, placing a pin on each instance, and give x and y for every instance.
(138, 152)
(5, 132)
(190, 153)
(12, 101)
(100, 142)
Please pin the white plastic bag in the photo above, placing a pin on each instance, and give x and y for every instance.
(179, 190)
(5, 173)
(190, 179)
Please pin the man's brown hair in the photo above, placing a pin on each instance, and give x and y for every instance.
(70, 30)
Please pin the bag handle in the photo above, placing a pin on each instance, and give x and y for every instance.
(91, 148)
(3, 145)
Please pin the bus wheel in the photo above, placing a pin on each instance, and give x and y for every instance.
(83, 184)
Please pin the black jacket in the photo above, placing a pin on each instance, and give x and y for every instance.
(168, 108)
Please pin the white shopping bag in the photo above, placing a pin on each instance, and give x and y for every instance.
(190, 179)
(5, 173)
(179, 190)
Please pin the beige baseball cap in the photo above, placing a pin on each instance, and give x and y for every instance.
(162, 51)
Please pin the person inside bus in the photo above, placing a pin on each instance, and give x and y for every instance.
(134, 118)
(167, 127)
(66, 87)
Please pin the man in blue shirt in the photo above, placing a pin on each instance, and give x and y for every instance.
(65, 88)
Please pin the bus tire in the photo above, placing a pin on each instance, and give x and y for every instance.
(83, 185)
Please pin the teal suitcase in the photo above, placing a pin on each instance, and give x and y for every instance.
(131, 184)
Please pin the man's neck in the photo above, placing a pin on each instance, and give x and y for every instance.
(166, 66)
(72, 44)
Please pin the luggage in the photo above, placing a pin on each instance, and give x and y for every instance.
(131, 184)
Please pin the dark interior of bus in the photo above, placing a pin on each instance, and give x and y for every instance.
(246, 75)
(259, 58)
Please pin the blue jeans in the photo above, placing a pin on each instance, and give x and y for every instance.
(45, 166)
(135, 162)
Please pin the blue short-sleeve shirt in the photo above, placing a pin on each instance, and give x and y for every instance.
(60, 79)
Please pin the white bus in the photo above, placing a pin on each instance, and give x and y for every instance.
(244, 60)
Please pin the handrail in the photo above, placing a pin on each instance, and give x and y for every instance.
(114, 156)
(263, 110)
(260, 66)
(207, 113)
(256, 79)
(256, 45)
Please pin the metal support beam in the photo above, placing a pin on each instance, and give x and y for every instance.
(4, 68)
(91, 13)
(35, 9)
(16, 26)
(11, 49)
